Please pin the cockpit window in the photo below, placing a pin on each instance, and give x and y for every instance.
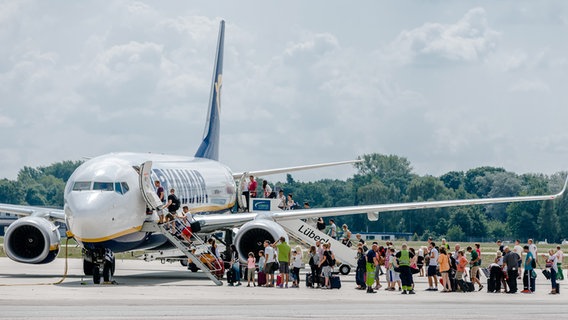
(82, 186)
(121, 187)
(103, 186)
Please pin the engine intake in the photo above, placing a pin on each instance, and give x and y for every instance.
(32, 240)
(251, 236)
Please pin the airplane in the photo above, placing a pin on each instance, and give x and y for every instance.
(107, 197)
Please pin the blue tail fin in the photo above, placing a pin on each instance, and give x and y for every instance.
(209, 147)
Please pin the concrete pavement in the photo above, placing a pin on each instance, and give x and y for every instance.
(153, 290)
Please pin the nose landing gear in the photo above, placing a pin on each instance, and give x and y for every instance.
(99, 262)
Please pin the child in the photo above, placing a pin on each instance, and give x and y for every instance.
(261, 273)
(251, 267)
(296, 264)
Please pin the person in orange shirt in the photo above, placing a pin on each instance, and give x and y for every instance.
(444, 265)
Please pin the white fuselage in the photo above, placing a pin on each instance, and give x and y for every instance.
(104, 206)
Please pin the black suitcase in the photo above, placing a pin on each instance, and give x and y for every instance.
(466, 286)
(335, 282)
(309, 280)
(230, 276)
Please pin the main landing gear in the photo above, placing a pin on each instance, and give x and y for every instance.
(99, 262)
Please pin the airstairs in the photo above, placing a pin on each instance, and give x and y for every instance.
(308, 234)
(191, 245)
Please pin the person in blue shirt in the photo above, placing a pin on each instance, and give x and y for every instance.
(529, 275)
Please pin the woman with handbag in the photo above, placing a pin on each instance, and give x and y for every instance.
(553, 268)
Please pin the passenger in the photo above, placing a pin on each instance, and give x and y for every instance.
(246, 194)
(266, 189)
(420, 261)
(261, 263)
(327, 264)
(296, 265)
(500, 246)
(478, 250)
(281, 200)
(235, 265)
(393, 275)
(432, 267)
(529, 275)
(307, 205)
(284, 257)
(532, 248)
(461, 264)
(346, 236)
(444, 263)
(511, 266)
(290, 203)
(559, 258)
(378, 270)
(314, 268)
(413, 265)
(251, 268)
(474, 270)
(553, 267)
(404, 257)
(252, 187)
(361, 268)
(320, 224)
(372, 262)
(519, 251)
(269, 264)
(161, 195)
(213, 247)
(172, 205)
(500, 261)
(332, 232)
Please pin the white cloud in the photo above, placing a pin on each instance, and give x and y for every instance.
(467, 40)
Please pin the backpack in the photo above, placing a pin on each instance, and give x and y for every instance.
(175, 204)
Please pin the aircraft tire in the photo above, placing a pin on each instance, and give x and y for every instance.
(107, 271)
(96, 275)
(87, 267)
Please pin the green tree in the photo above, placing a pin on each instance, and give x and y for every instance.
(390, 170)
(548, 223)
(455, 233)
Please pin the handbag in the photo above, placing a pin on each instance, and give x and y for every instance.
(546, 274)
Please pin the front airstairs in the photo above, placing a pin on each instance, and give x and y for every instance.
(191, 245)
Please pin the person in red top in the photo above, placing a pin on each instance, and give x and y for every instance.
(252, 187)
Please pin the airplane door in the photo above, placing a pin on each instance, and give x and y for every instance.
(147, 188)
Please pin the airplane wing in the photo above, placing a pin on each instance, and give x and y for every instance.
(239, 175)
(48, 213)
(234, 220)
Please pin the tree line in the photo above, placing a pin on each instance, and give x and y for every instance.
(383, 179)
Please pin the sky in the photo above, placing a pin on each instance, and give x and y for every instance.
(450, 85)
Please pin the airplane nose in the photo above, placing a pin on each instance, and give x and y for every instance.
(87, 211)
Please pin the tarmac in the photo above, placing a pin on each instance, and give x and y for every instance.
(152, 290)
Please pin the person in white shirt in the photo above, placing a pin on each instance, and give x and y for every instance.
(532, 248)
(559, 258)
(281, 200)
(519, 251)
(268, 267)
(296, 265)
(267, 190)
(433, 268)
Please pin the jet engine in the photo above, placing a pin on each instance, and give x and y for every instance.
(32, 240)
(251, 236)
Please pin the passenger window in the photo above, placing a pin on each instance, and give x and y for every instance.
(103, 186)
(82, 186)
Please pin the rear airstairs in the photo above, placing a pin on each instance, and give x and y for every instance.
(192, 246)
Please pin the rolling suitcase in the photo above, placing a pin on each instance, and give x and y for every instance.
(335, 282)
(230, 276)
(261, 278)
(279, 280)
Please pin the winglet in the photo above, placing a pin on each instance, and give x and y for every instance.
(563, 189)
(209, 147)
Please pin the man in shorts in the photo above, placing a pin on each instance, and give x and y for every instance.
(162, 196)
(475, 261)
(284, 257)
(269, 263)
(432, 267)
